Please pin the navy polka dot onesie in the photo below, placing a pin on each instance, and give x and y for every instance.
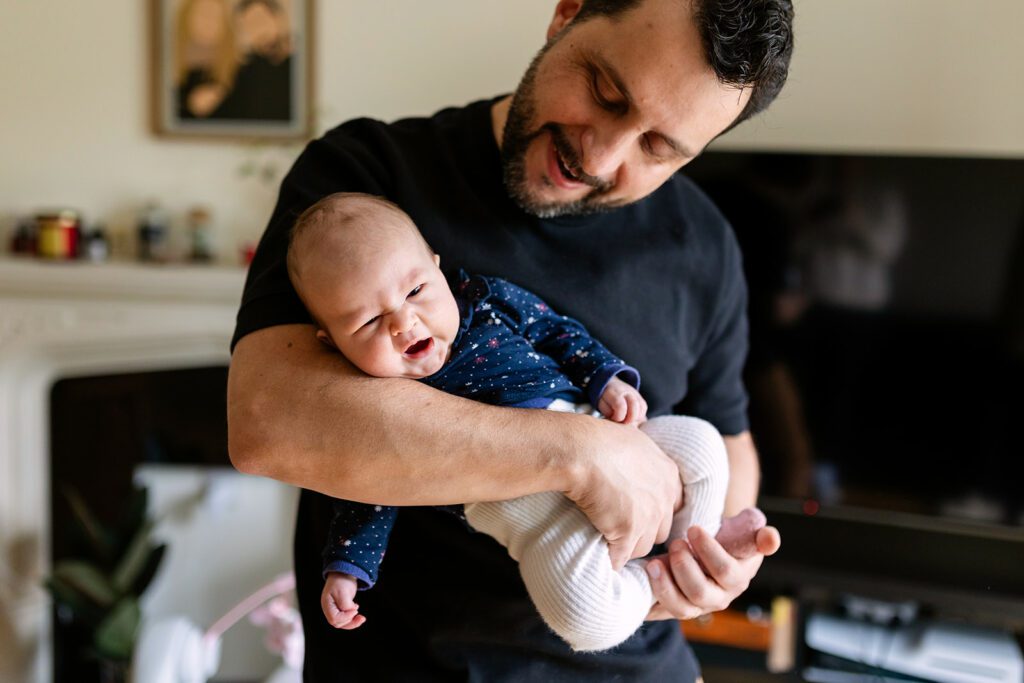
(511, 350)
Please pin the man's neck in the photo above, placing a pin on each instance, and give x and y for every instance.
(499, 114)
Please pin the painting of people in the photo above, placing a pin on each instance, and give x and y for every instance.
(236, 68)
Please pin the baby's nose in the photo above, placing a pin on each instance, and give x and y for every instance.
(401, 322)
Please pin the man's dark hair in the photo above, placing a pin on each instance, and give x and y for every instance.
(747, 42)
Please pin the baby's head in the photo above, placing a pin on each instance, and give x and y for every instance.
(373, 286)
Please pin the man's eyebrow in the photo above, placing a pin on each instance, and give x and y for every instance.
(616, 78)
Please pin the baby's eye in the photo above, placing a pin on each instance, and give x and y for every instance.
(371, 321)
(414, 292)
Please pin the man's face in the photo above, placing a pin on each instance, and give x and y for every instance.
(259, 29)
(609, 110)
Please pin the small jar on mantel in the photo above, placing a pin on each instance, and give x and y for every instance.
(200, 230)
(57, 234)
(152, 234)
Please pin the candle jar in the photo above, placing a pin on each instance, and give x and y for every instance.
(57, 235)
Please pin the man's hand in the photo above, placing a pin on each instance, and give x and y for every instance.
(627, 487)
(701, 578)
(621, 403)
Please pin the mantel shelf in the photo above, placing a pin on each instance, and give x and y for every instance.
(120, 281)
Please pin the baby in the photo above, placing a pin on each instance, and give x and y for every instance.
(377, 295)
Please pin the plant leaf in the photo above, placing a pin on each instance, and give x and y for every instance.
(115, 636)
(87, 580)
(83, 610)
(133, 560)
(99, 537)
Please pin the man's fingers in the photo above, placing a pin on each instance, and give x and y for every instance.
(619, 554)
(665, 591)
(665, 527)
(692, 580)
(659, 613)
(717, 562)
(768, 540)
(629, 494)
(642, 547)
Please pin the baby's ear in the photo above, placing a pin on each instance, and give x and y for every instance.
(437, 259)
(326, 339)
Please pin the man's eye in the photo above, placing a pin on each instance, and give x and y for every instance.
(654, 149)
(414, 292)
(602, 100)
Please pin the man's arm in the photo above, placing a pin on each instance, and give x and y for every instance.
(299, 413)
(744, 473)
(683, 589)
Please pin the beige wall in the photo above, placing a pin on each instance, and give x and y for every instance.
(73, 113)
(938, 76)
(901, 76)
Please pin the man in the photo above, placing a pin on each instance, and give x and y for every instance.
(568, 188)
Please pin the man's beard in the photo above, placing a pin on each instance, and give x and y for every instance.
(516, 140)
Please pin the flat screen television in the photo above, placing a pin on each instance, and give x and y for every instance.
(886, 370)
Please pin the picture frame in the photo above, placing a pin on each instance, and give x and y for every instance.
(232, 69)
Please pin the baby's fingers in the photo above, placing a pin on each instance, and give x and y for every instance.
(340, 618)
(357, 621)
(613, 407)
(636, 409)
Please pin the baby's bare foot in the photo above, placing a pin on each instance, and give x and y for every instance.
(738, 534)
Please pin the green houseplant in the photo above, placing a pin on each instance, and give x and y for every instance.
(100, 590)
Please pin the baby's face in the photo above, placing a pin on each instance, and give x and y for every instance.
(392, 315)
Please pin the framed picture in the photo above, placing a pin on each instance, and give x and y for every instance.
(232, 68)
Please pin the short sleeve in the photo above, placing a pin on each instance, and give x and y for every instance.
(341, 161)
(716, 390)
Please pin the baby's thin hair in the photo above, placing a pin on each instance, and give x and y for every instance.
(338, 210)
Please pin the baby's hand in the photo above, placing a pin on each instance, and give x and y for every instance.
(337, 601)
(622, 403)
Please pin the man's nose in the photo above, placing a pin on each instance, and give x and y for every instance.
(603, 149)
(402, 321)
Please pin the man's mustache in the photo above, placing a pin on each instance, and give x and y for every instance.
(571, 158)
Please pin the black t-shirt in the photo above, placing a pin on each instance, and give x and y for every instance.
(659, 282)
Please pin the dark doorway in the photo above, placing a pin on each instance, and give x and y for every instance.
(101, 428)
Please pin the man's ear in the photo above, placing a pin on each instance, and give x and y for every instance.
(326, 339)
(565, 11)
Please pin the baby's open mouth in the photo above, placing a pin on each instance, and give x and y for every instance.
(421, 348)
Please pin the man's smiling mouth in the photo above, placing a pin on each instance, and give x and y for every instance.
(563, 166)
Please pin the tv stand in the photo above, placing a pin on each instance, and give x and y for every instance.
(945, 652)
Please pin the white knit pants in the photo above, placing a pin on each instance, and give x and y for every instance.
(564, 561)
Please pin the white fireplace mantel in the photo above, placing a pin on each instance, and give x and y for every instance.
(62, 320)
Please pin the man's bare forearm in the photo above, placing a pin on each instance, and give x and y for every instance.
(299, 413)
(744, 473)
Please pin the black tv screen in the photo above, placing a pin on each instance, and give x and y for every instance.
(886, 370)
